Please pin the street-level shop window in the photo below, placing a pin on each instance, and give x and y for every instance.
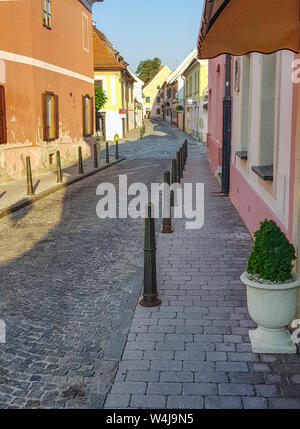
(265, 169)
(47, 13)
(268, 109)
(88, 115)
(3, 132)
(243, 82)
(50, 116)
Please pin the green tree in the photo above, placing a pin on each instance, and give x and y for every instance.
(147, 69)
(100, 98)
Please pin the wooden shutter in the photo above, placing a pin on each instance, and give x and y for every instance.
(92, 116)
(44, 117)
(3, 131)
(83, 117)
(56, 116)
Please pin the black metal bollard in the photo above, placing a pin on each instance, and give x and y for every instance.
(184, 153)
(150, 284)
(58, 168)
(80, 163)
(117, 149)
(167, 223)
(173, 180)
(107, 153)
(95, 155)
(181, 162)
(30, 190)
(178, 174)
(185, 145)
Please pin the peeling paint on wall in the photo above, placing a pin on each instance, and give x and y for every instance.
(25, 83)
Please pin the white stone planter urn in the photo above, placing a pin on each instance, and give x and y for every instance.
(272, 307)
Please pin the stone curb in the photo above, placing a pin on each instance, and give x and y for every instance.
(13, 208)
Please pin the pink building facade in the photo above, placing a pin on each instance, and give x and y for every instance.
(216, 75)
(265, 140)
(264, 106)
(262, 146)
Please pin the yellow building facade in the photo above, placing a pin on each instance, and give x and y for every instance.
(152, 103)
(113, 77)
(196, 84)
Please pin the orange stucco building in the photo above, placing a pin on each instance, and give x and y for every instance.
(46, 83)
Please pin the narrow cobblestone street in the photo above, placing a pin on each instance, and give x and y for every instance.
(70, 287)
(71, 283)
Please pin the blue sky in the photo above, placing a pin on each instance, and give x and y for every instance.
(140, 30)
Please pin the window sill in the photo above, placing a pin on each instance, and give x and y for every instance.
(242, 154)
(264, 172)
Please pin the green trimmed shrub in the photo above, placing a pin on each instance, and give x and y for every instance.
(272, 255)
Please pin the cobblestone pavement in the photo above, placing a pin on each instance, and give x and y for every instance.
(158, 142)
(69, 286)
(193, 351)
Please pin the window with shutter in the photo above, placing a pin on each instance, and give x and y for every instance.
(87, 115)
(85, 33)
(44, 113)
(83, 116)
(56, 116)
(46, 13)
(92, 115)
(50, 116)
(3, 132)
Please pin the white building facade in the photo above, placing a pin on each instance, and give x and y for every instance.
(138, 99)
(174, 94)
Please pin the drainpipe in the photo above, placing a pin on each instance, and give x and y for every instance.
(226, 148)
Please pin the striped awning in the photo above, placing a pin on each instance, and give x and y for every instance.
(238, 27)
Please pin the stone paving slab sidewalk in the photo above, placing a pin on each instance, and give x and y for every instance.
(13, 194)
(193, 351)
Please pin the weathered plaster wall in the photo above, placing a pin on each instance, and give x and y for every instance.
(62, 49)
(24, 120)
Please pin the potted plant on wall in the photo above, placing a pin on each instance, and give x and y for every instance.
(271, 290)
